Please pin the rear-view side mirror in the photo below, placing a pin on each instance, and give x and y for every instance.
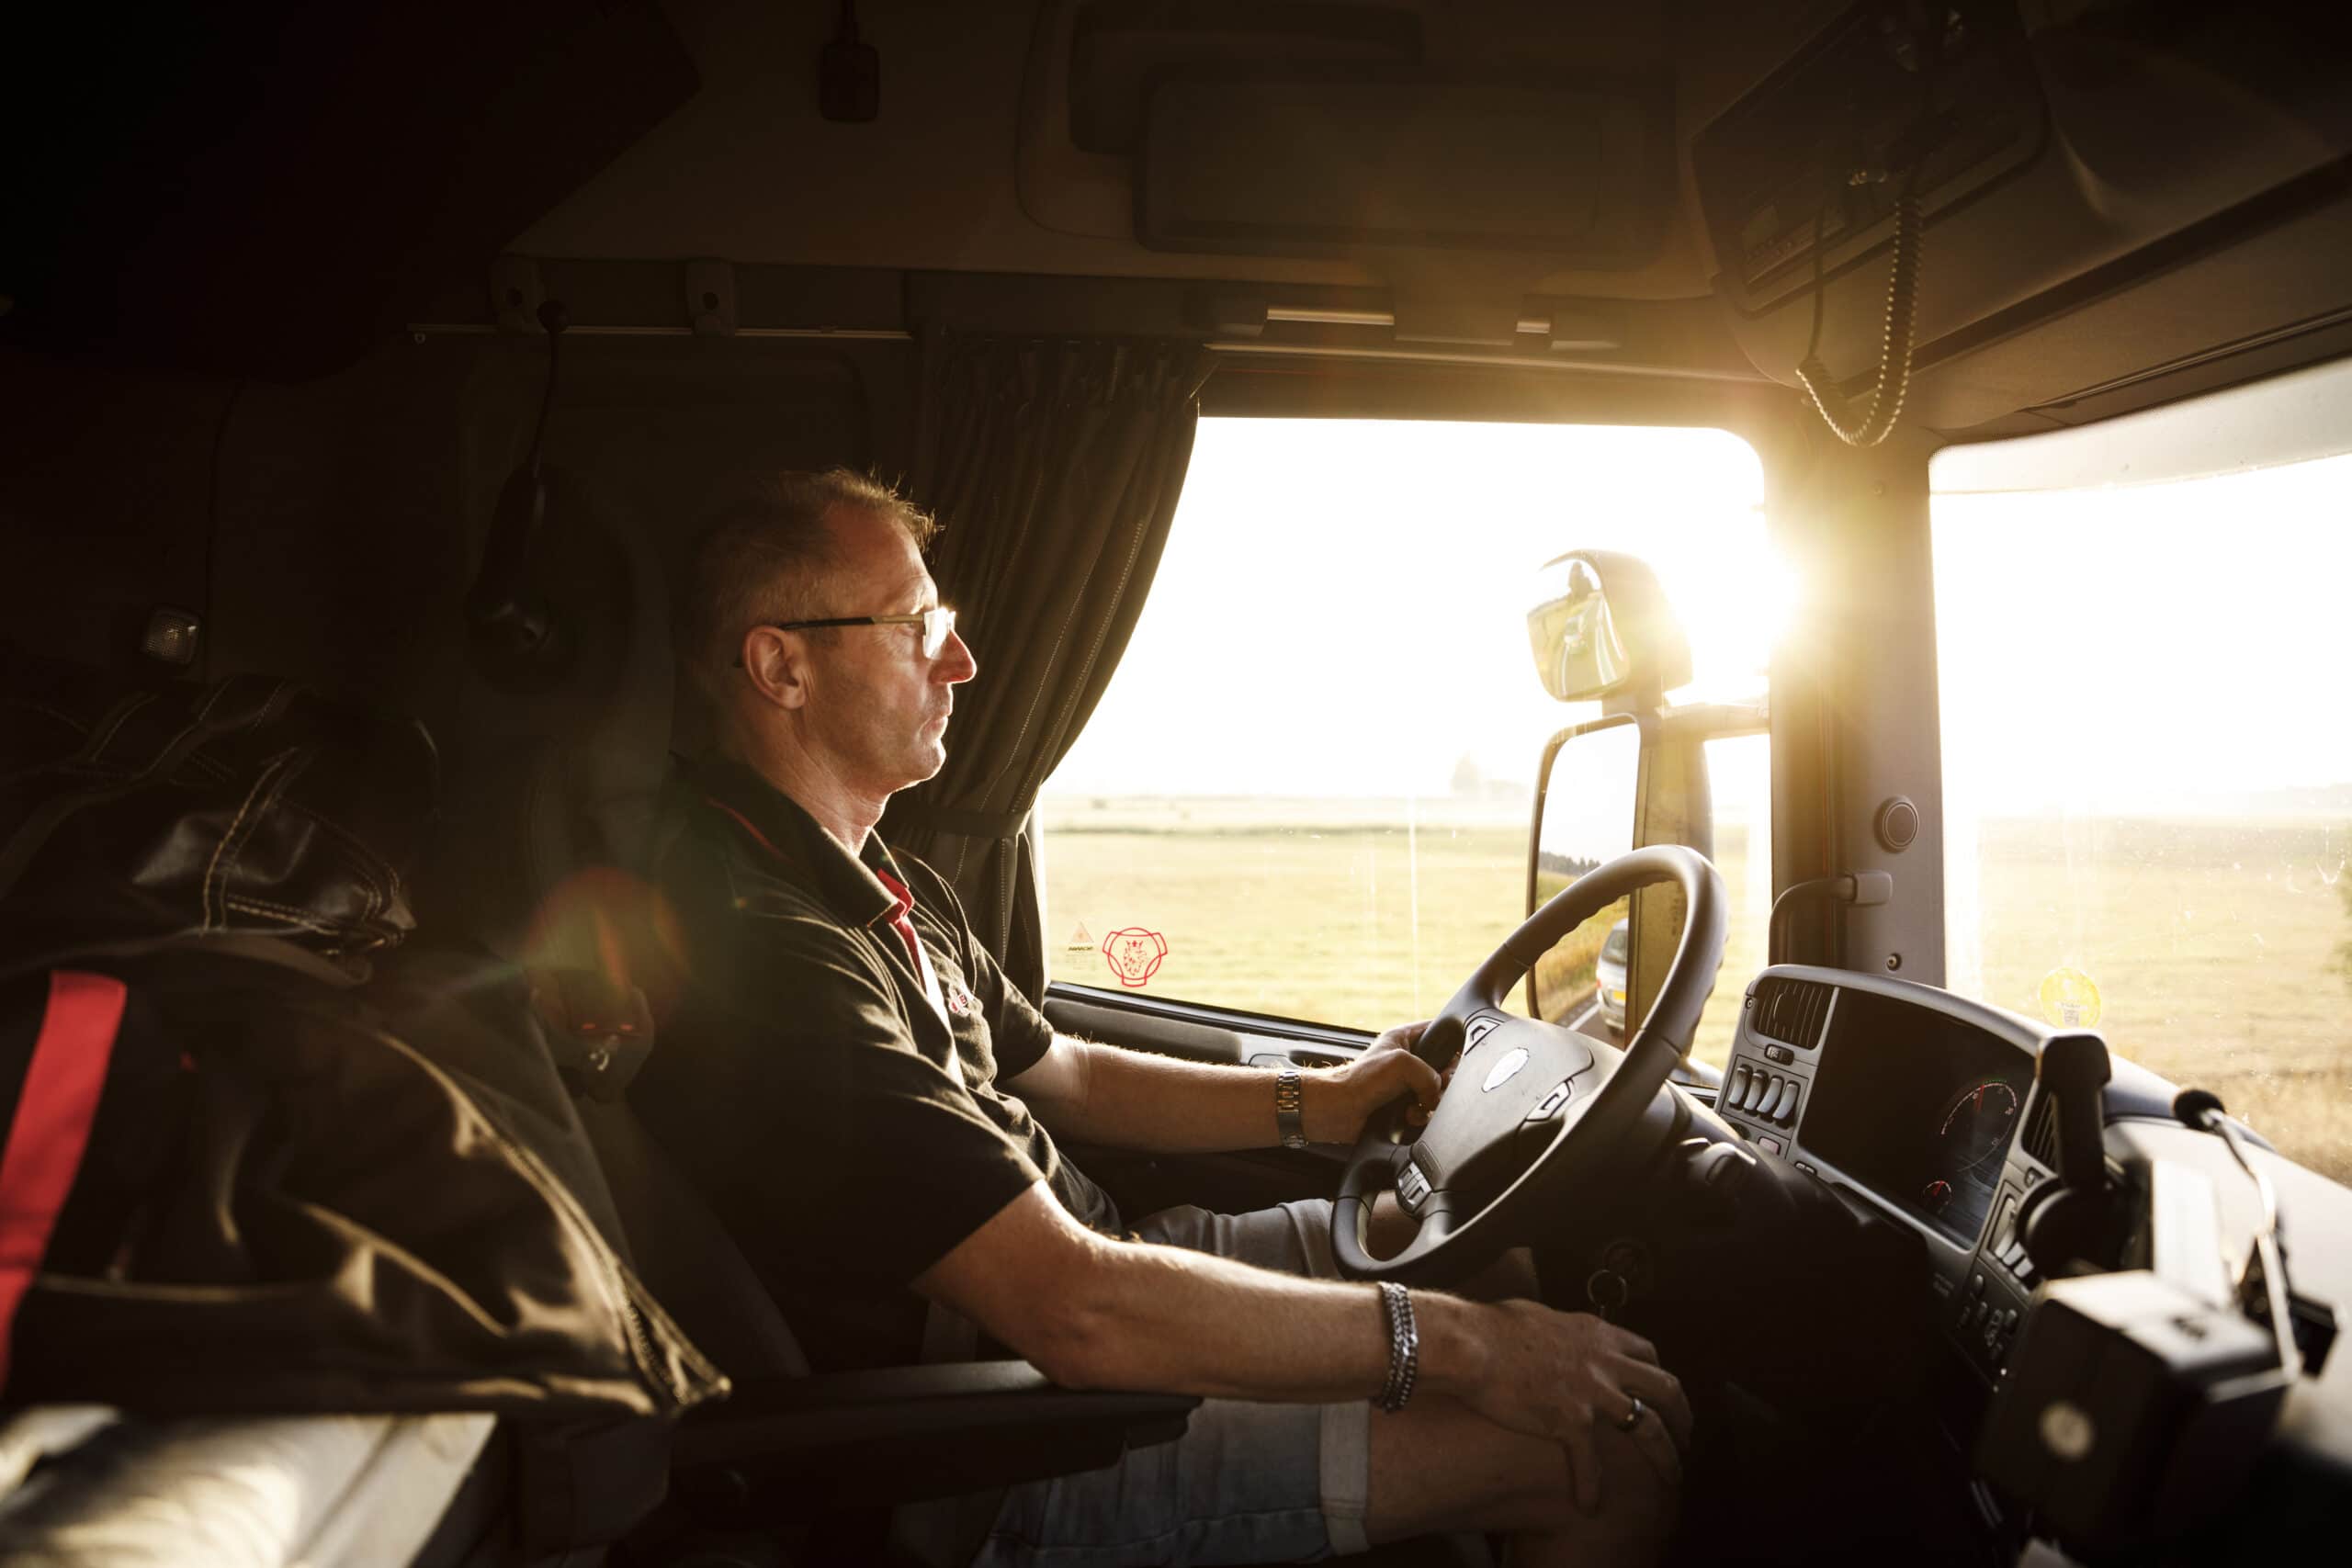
(1585, 805)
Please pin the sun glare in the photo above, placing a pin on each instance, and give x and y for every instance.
(1344, 602)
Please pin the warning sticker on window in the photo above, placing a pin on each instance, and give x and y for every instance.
(1081, 940)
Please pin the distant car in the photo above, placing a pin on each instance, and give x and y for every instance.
(1609, 975)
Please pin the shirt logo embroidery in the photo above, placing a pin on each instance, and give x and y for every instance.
(960, 1003)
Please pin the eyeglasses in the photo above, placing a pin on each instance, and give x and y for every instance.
(936, 624)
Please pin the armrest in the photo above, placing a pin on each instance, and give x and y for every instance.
(903, 1434)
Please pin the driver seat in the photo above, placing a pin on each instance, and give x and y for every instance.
(544, 864)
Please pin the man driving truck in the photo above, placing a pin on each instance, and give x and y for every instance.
(866, 1100)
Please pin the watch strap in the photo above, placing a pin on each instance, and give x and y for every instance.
(1290, 1103)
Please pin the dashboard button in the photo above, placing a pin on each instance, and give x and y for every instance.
(1784, 1110)
(1769, 1146)
(1737, 1091)
(1771, 1095)
(1780, 1054)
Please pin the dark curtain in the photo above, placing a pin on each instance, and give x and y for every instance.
(1054, 467)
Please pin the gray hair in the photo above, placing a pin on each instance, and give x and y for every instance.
(766, 555)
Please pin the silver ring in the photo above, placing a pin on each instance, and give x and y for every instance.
(1632, 1418)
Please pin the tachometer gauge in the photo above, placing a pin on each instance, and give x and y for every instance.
(1975, 1133)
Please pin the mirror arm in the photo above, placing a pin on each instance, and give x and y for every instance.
(1643, 697)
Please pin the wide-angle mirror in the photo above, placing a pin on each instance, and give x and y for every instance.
(1584, 818)
(1601, 625)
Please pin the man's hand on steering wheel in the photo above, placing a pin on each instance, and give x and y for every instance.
(1557, 1118)
(1339, 1101)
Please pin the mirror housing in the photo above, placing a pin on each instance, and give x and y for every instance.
(1605, 628)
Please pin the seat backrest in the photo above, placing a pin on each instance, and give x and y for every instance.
(686, 1257)
(552, 800)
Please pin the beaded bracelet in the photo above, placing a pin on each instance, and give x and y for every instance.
(1404, 1347)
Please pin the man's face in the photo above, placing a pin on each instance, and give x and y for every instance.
(877, 715)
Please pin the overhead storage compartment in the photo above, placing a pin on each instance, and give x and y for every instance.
(1118, 48)
(2063, 159)
(1383, 161)
(1874, 106)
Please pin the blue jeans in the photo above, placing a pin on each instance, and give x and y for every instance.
(1246, 1483)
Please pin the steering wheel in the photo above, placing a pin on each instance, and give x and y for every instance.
(1556, 1107)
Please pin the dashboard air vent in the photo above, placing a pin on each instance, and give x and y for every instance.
(2041, 1130)
(1793, 1012)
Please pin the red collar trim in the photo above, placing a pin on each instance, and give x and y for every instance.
(896, 888)
(745, 823)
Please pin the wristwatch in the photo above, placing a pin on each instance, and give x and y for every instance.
(1290, 1100)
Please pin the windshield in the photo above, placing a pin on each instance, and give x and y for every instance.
(1307, 793)
(2148, 770)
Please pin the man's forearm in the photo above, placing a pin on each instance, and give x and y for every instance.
(1093, 1312)
(1136, 1319)
(1130, 1099)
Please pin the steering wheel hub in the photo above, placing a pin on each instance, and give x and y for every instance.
(1535, 1111)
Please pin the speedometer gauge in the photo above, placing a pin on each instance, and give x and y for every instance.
(1969, 1142)
(1976, 1130)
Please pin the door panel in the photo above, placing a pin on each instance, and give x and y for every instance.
(1196, 1033)
(1232, 1182)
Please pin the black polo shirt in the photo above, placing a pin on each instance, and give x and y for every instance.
(848, 1130)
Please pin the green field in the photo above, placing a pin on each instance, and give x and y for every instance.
(2214, 946)
(1333, 920)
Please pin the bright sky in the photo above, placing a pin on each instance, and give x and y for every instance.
(2147, 648)
(1342, 609)
(1341, 613)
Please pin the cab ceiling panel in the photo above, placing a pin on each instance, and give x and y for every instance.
(265, 190)
(1018, 139)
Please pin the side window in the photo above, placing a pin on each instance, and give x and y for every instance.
(2147, 772)
(1307, 793)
